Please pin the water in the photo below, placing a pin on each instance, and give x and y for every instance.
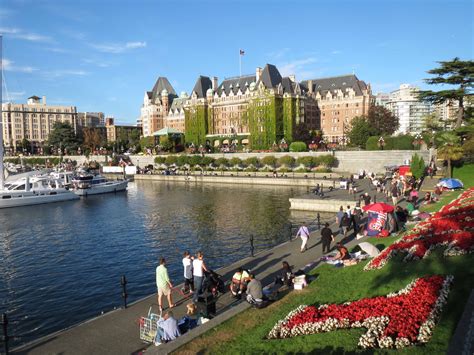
(61, 263)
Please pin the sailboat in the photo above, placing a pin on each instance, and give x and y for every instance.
(28, 190)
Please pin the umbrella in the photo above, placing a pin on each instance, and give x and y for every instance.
(379, 207)
(369, 249)
(451, 183)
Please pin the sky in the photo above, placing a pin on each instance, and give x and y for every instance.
(102, 55)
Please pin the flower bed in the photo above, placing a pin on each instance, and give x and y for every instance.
(452, 226)
(393, 321)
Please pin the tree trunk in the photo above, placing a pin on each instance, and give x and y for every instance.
(450, 173)
(460, 115)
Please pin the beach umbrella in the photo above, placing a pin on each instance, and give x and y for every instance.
(379, 207)
(451, 183)
(369, 249)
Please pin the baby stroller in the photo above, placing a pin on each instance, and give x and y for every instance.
(213, 283)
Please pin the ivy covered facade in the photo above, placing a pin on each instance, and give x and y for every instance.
(255, 110)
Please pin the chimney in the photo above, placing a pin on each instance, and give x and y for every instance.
(310, 86)
(44, 100)
(258, 74)
(292, 78)
(214, 83)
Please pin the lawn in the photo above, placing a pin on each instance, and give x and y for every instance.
(246, 332)
(466, 174)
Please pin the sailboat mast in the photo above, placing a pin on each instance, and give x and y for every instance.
(2, 175)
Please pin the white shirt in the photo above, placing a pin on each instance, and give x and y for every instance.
(188, 268)
(303, 232)
(197, 267)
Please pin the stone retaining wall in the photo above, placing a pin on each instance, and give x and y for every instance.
(318, 205)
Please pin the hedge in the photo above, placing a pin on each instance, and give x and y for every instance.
(298, 147)
(402, 142)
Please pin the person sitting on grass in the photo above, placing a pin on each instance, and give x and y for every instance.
(286, 277)
(342, 252)
(188, 321)
(239, 281)
(255, 292)
(167, 329)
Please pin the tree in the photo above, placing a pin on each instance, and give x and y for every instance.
(302, 133)
(455, 72)
(449, 149)
(382, 120)
(360, 131)
(63, 137)
(417, 166)
(288, 161)
(432, 123)
(270, 160)
(92, 138)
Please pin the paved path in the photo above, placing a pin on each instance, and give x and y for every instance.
(118, 333)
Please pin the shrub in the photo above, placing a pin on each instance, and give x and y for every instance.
(417, 166)
(235, 162)
(327, 160)
(307, 162)
(252, 161)
(171, 159)
(207, 161)
(298, 147)
(287, 161)
(182, 160)
(401, 142)
(222, 162)
(160, 160)
(270, 160)
(194, 160)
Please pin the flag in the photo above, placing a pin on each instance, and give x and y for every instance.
(242, 52)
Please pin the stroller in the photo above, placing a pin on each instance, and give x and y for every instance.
(213, 283)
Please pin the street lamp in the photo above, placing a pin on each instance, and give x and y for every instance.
(418, 140)
(381, 143)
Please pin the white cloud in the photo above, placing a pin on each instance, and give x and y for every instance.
(8, 65)
(302, 68)
(278, 53)
(64, 72)
(118, 47)
(100, 64)
(27, 36)
(336, 52)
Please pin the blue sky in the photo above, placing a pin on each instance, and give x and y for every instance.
(102, 55)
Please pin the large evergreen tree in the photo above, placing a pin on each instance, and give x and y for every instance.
(455, 72)
(360, 131)
(63, 136)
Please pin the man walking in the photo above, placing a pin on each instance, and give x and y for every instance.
(163, 284)
(303, 233)
(326, 238)
(199, 267)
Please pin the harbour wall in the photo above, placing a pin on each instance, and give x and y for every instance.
(318, 205)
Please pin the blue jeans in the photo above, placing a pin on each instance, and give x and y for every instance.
(197, 287)
(159, 335)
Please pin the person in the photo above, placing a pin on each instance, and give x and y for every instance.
(345, 224)
(189, 321)
(303, 233)
(366, 197)
(188, 272)
(326, 238)
(342, 252)
(427, 199)
(167, 329)
(239, 281)
(199, 267)
(286, 277)
(339, 216)
(414, 196)
(163, 284)
(395, 193)
(349, 211)
(254, 291)
(356, 219)
(402, 217)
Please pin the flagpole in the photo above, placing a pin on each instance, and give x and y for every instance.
(240, 63)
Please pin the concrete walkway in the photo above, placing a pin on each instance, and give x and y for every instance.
(117, 332)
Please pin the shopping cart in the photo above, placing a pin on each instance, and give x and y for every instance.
(149, 326)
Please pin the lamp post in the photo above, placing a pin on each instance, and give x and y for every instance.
(381, 143)
(418, 140)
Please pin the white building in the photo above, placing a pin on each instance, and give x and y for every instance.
(408, 108)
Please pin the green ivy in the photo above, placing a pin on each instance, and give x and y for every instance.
(289, 118)
(196, 124)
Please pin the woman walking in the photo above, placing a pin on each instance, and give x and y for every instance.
(199, 267)
(303, 233)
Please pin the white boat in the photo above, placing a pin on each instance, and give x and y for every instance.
(89, 184)
(34, 191)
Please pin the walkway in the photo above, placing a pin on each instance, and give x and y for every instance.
(117, 332)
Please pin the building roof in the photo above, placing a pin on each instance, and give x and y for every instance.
(270, 76)
(165, 131)
(178, 104)
(161, 84)
(341, 82)
(34, 97)
(236, 83)
(202, 84)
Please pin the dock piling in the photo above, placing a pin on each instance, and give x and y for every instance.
(5, 336)
(251, 246)
(123, 282)
(319, 221)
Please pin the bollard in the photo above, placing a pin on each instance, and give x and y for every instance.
(334, 184)
(251, 245)
(319, 221)
(5, 337)
(375, 198)
(123, 282)
(291, 231)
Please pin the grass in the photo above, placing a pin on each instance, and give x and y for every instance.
(465, 173)
(245, 333)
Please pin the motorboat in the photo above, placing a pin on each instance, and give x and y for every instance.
(94, 184)
(34, 190)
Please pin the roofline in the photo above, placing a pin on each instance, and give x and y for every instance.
(238, 77)
(331, 77)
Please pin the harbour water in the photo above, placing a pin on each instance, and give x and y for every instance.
(61, 264)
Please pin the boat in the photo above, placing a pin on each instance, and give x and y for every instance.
(34, 190)
(94, 184)
(29, 190)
